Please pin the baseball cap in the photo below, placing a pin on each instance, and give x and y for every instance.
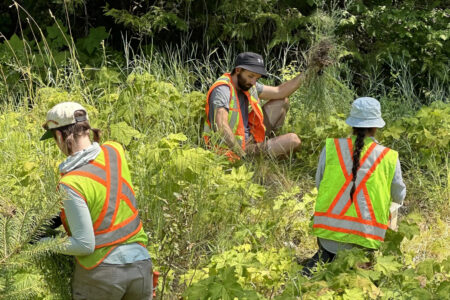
(252, 62)
(365, 113)
(61, 115)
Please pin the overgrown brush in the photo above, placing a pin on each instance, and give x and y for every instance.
(213, 225)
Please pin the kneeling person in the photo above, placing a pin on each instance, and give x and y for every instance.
(233, 108)
(358, 181)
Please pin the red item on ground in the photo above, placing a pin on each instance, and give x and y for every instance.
(155, 282)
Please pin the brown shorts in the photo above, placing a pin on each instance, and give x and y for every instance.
(114, 282)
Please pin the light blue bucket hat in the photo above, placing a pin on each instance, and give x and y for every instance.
(366, 113)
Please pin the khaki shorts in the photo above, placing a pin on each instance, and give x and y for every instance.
(111, 282)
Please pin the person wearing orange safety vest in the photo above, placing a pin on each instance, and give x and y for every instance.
(235, 110)
(99, 212)
(358, 179)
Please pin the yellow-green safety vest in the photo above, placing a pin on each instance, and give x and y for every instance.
(364, 220)
(105, 185)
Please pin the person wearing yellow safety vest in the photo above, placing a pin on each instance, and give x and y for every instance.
(99, 211)
(234, 109)
(358, 179)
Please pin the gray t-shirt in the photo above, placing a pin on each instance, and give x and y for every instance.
(220, 97)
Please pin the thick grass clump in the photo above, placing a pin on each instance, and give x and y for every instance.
(214, 225)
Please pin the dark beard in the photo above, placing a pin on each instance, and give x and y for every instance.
(241, 83)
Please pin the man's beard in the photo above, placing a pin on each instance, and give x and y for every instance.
(242, 84)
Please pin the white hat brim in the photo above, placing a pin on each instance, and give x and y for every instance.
(365, 123)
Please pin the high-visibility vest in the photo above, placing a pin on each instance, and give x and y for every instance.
(364, 220)
(105, 186)
(235, 120)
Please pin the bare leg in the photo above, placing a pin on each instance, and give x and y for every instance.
(278, 146)
(282, 145)
(274, 114)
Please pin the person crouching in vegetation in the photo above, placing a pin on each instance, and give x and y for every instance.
(243, 132)
(357, 178)
(99, 211)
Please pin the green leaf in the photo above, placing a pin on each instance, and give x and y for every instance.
(409, 229)
(123, 133)
(222, 285)
(446, 265)
(422, 294)
(392, 242)
(428, 268)
(387, 265)
(443, 291)
(172, 141)
(92, 41)
(353, 294)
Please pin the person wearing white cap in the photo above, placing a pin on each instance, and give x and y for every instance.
(358, 179)
(99, 211)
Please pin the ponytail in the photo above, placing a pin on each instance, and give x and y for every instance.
(70, 133)
(96, 132)
(359, 144)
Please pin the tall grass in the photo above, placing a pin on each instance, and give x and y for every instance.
(195, 204)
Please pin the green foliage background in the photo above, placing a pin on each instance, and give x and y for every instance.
(220, 230)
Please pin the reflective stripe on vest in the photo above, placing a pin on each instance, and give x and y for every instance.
(235, 119)
(234, 115)
(106, 233)
(335, 218)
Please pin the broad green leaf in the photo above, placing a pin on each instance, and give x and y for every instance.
(123, 133)
(428, 268)
(443, 291)
(353, 294)
(409, 229)
(392, 241)
(387, 265)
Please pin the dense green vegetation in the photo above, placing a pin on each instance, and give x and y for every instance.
(220, 230)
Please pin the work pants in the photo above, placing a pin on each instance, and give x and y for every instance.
(131, 281)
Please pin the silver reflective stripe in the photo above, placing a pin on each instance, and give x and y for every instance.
(360, 176)
(113, 186)
(234, 115)
(128, 193)
(349, 225)
(206, 128)
(90, 168)
(342, 201)
(362, 172)
(365, 167)
(363, 208)
(108, 237)
(239, 140)
(112, 161)
(346, 155)
(254, 92)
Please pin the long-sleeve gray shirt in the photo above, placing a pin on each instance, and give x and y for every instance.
(82, 241)
(398, 194)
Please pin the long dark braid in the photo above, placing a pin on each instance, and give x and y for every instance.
(357, 148)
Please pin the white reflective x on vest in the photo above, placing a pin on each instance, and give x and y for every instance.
(335, 217)
(106, 232)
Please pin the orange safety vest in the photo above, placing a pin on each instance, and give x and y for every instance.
(362, 220)
(235, 120)
(105, 185)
